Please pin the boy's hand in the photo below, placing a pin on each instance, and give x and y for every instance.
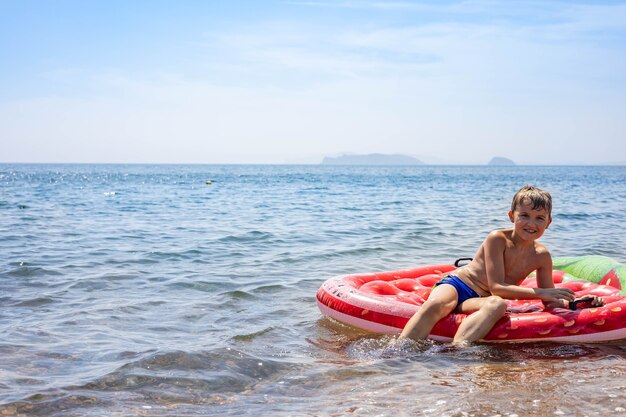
(555, 294)
(586, 301)
(597, 301)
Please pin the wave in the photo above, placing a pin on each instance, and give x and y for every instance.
(163, 379)
(34, 302)
(25, 270)
(221, 370)
(247, 237)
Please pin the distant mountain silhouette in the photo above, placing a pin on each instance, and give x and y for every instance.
(498, 160)
(371, 159)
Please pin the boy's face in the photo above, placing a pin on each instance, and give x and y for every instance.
(530, 223)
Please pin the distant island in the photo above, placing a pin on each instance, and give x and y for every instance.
(381, 159)
(498, 160)
(371, 159)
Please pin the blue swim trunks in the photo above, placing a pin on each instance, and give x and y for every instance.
(462, 289)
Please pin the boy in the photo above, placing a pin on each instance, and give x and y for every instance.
(504, 259)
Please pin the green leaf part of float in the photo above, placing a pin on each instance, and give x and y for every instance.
(593, 268)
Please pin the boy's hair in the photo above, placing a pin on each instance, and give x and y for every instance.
(535, 196)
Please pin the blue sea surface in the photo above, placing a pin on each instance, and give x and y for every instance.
(190, 290)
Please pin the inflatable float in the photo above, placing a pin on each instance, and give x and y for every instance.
(384, 302)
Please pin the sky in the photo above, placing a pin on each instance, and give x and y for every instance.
(539, 82)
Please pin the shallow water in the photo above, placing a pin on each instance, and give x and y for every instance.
(143, 290)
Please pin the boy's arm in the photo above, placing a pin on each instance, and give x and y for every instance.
(495, 244)
(545, 280)
(544, 272)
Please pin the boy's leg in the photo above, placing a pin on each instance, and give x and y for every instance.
(483, 313)
(441, 302)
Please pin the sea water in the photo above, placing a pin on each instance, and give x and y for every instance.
(189, 290)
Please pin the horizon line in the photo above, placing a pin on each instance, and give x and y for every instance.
(605, 164)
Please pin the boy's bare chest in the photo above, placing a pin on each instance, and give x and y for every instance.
(518, 264)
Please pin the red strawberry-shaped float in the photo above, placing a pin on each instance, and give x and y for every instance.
(384, 302)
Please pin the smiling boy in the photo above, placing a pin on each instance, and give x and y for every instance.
(503, 260)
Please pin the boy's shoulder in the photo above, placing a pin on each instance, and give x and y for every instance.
(541, 250)
(500, 235)
(497, 240)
